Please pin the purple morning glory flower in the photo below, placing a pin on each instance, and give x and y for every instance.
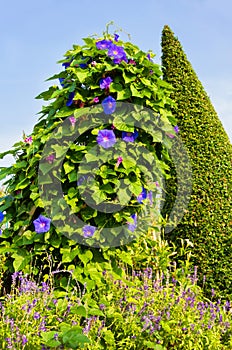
(1, 216)
(119, 60)
(129, 136)
(142, 195)
(105, 83)
(149, 57)
(70, 99)
(88, 231)
(132, 226)
(104, 44)
(109, 105)
(176, 128)
(117, 52)
(106, 138)
(42, 224)
(0, 232)
(116, 36)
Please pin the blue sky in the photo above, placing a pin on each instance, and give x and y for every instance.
(34, 35)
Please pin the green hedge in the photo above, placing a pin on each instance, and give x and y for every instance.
(207, 223)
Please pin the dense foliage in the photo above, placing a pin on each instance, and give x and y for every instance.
(208, 221)
(87, 114)
(152, 305)
(68, 287)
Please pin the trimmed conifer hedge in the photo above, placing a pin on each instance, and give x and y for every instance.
(207, 222)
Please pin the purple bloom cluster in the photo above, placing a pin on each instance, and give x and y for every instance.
(45, 287)
(25, 285)
(42, 326)
(17, 337)
(117, 53)
(152, 314)
(89, 322)
(148, 301)
(28, 287)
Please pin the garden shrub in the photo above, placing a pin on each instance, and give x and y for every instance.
(103, 76)
(208, 221)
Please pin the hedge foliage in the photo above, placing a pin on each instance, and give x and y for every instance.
(208, 220)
